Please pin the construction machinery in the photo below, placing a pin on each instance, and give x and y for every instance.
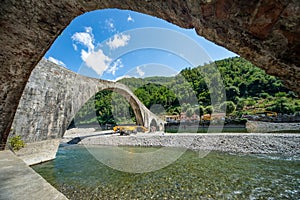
(265, 113)
(207, 117)
(129, 129)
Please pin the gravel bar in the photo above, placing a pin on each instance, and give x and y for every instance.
(257, 143)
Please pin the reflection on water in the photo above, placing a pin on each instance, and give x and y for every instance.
(77, 174)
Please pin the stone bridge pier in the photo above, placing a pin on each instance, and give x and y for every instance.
(52, 97)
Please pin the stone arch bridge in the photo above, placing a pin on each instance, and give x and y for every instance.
(266, 32)
(53, 95)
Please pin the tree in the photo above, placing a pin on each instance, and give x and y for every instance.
(232, 93)
(229, 106)
(280, 94)
(209, 110)
(281, 105)
(201, 111)
(189, 112)
(240, 104)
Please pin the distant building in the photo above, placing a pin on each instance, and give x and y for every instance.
(182, 118)
(195, 118)
(218, 116)
(214, 116)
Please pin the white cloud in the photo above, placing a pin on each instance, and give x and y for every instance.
(85, 38)
(88, 29)
(130, 19)
(96, 60)
(75, 47)
(115, 66)
(84, 55)
(119, 40)
(58, 62)
(109, 24)
(140, 71)
(112, 69)
(121, 77)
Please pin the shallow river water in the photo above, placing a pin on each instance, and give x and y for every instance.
(77, 174)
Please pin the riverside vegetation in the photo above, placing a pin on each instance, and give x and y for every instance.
(16, 143)
(248, 90)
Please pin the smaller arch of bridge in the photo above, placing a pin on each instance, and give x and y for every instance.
(135, 105)
(161, 126)
(153, 125)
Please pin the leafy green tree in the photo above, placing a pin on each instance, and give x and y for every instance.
(232, 92)
(209, 109)
(189, 112)
(264, 95)
(240, 104)
(201, 111)
(229, 106)
(281, 105)
(280, 94)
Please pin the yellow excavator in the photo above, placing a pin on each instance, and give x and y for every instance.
(207, 117)
(266, 113)
(129, 129)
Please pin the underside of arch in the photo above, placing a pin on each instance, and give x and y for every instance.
(264, 32)
(133, 103)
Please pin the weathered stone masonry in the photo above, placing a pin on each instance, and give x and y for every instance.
(266, 32)
(52, 97)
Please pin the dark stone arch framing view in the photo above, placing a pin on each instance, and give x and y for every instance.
(264, 33)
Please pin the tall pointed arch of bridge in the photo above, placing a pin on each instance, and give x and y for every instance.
(132, 100)
(143, 115)
(264, 32)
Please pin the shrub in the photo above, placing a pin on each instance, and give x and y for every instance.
(16, 143)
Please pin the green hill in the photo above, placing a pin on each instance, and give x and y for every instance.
(248, 89)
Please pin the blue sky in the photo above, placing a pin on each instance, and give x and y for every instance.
(111, 44)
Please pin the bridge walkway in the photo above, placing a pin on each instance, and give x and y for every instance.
(20, 182)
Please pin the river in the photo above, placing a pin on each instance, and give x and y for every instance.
(77, 174)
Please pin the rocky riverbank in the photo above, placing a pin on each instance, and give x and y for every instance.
(263, 127)
(285, 144)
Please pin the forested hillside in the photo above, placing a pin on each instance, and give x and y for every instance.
(248, 89)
